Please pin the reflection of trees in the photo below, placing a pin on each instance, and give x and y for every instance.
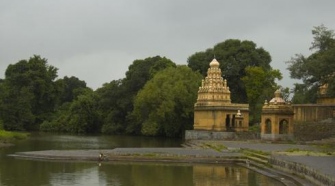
(28, 172)
(38, 173)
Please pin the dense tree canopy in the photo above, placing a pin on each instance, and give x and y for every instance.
(111, 105)
(156, 97)
(71, 88)
(116, 98)
(316, 69)
(30, 94)
(260, 85)
(164, 107)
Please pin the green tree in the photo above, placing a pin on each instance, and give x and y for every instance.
(71, 88)
(30, 94)
(141, 70)
(69, 91)
(164, 107)
(316, 69)
(285, 92)
(234, 56)
(84, 116)
(116, 98)
(260, 85)
(110, 98)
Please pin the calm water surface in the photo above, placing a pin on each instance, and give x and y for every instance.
(17, 172)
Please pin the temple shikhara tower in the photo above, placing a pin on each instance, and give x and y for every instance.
(213, 110)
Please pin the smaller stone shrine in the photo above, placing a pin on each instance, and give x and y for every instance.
(277, 119)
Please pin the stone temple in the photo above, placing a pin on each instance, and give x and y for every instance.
(216, 117)
(214, 113)
(277, 119)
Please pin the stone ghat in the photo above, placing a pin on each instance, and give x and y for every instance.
(137, 154)
(163, 155)
(307, 172)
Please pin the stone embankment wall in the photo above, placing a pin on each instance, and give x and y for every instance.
(304, 171)
(215, 135)
(308, 131)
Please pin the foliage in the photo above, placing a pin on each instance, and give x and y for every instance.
(116, 99)
(111, 106)
(259, 84)
(141, 70)
(71, 88)
(316, 69)
(304, 94)
(164, 107)
(255, 128)
(80, 116)
(285, 92)
(59, 121)
(83, 116)
(29, 94)
(8, 136)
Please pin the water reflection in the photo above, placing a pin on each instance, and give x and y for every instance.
(16, 172)
(227, 175)
(139, 174)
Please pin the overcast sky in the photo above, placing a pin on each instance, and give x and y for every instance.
(96, 40)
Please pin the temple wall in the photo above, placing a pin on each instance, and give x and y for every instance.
(214, 135)
(313, 112)
(208, 135)
(220, 118)
(326, 100)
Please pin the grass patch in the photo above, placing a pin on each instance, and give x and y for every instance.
(217, 147)
(246, 151)
(255, 128)
(150, 155)
(7, 136)
(297, 152)
(293, 150)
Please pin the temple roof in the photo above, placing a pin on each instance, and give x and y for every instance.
(214, 63)
(214, 89)
(277, 99)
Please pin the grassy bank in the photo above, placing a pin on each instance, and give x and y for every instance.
(8, 137)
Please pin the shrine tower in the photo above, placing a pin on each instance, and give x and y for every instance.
(213, 110)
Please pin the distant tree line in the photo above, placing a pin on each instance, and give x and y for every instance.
(156, 97)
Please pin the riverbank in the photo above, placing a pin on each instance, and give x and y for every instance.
(7, 137)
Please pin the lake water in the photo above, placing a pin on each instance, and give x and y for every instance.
(17, 172)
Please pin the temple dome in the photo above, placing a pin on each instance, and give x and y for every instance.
(214, 63)
(277, 99)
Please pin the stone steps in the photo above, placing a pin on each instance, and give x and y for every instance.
(256, 157)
